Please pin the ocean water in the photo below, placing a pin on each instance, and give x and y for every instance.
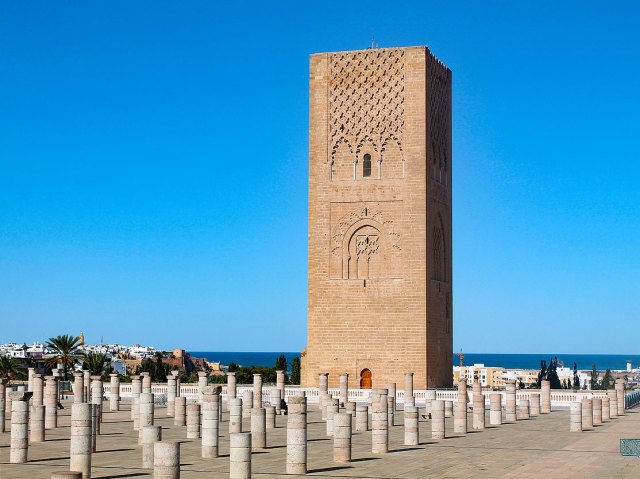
(510, 361)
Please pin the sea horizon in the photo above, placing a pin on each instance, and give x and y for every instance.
(505, 360)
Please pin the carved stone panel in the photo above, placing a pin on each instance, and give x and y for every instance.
(365, 243)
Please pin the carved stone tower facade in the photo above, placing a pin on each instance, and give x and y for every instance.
(379, 218)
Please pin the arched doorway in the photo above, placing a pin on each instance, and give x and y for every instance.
(365, 379)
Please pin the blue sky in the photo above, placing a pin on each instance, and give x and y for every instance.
(153, 168)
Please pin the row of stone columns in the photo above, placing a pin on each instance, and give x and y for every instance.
(594, 411)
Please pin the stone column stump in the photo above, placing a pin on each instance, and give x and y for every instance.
(240, 456)
(166, 460)
(342, 437)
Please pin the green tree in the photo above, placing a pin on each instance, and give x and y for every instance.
(66, 352)
(95, 363)
(607, 380)
(281, 363)
(245, 374)
(233, 367)
(8, 368)
(295, 370)
(157, 369)
(576, 379)
(594, 378)
(549, 373)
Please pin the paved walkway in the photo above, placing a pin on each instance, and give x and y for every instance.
(539, 447)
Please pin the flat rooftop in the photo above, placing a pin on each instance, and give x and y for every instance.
(538, 447)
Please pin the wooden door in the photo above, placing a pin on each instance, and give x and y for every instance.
(365, 379)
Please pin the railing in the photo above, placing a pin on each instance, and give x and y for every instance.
(632, 399)
(559, 399)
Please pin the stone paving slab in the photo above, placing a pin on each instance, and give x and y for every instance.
(538, 447)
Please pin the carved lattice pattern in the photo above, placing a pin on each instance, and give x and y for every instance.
(366, 98)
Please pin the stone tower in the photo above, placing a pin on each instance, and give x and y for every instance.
(379, 218)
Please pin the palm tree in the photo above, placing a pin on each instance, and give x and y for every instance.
(67, 351)
(95, 363)
(8, 367)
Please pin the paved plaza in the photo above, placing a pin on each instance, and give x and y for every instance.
(539, 447)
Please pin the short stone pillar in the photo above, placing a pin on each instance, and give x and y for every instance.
(231, 386)
(478, 407)
(150, 435)
(534, 404)
(350, 407)
(97, 394)
(240, 455)
(136, 390)
(203, 381)
(392, 394)
(95, 424)
(3, 404)
(81, 442)
(342, 437)
(323, 390)
(166, 460)
(36, 431)
(460, 413)
(323, 405)
(257, 392)
(171, 395)
(280, 379)
(409, 399)
(210, 421)
(114, 392)
(495, 411)
(258, 428)
(437, 420)
(270, 412)
(51, 402)
(86, 382)
(247, 403)
(606, 409)
(66, 475)
(411, 426)
(235, 415)
(78, 387)
(37, 385)
(620, 396)
(297, 435)
(146, 382)
(510, 402)
(193, 421)
(597, 411)
(362, 417)
(613, 403)
(30, 373)
(146, 413)
(276, 397)
(587, 413)
(179, 419)
(333, 408)
(344, 388)
(379, 421)
(545, 396)
(575, 417)
(523, 409)
(19, 430)
(391, 413)
(178, 385)
(430, 396)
